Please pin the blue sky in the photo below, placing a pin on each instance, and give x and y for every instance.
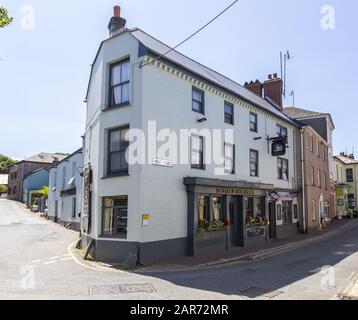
(44, 71)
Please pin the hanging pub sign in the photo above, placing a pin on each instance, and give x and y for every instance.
(278, 147)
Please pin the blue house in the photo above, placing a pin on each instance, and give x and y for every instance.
(34, 181)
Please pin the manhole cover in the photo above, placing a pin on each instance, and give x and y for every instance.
(121, 289)
(256, 292)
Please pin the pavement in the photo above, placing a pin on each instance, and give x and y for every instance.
(36, 262)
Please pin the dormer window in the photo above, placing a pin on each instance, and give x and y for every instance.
(119, 83)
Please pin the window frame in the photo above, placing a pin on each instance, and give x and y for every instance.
(351, 179)
(201, 165)
(256, 152)
(256, 123)
(111, 87)
(103, 207)
(279, 129)
(120, 172)
(314, 210)
(280, 170)
(231, 121)
(233, 158)
(319, 182)
(202, 103)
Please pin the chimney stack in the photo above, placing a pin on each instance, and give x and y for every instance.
(255, 87)
(117, 23)
(273, 89)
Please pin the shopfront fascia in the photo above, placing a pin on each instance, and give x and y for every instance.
(226, 214)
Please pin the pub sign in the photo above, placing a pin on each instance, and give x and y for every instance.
(278, 147)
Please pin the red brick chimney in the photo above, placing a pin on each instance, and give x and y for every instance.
(255, 87)
(273, 89)
(117, 23)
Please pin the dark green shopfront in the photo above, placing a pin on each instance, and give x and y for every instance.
(225, 214)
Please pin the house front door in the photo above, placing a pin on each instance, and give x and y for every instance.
(236, 221)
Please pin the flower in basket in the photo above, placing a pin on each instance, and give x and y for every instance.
(226, 222)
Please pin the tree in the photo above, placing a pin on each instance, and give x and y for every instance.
(3, 189)
(5, 163)
(5, 20)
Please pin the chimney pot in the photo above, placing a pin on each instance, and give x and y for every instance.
(273, 89)
(117, 11)
(117, 23)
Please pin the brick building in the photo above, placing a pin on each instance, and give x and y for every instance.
(20, 170)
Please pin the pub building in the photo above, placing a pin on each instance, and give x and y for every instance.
(158, 211)
(246, 214)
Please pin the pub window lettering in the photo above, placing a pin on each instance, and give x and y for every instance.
(117, 147)
(119, 83)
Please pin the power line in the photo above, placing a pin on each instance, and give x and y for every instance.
(191, 36)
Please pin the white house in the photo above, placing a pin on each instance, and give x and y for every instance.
(65, 191)
(164, 208)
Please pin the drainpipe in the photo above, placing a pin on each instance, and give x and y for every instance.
(303, 184)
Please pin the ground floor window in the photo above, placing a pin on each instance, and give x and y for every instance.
(254, 208)
(211, 213)
(115, 216)
(204, 208)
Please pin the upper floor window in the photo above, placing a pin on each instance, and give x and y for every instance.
(197, 152)
(282, 169)
(119, 83)
(325, 181)
(229, 157)
(254, 163)
(253, 122)
(54, 179)
(63, 176)
(281, 131)
(312, 175)
(198, 98)
(324, 152)
(117, 147)
(74, 166)
(311, 144)
(319, 178)
(318, 149)
(349, 175)
(229, 113)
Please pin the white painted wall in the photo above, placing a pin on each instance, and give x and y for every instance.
(65, 206)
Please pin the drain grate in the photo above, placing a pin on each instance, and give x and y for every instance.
(253, 292)
(121, 289)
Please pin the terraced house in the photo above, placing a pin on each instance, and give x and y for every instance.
(346, 177)
(165, 208)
